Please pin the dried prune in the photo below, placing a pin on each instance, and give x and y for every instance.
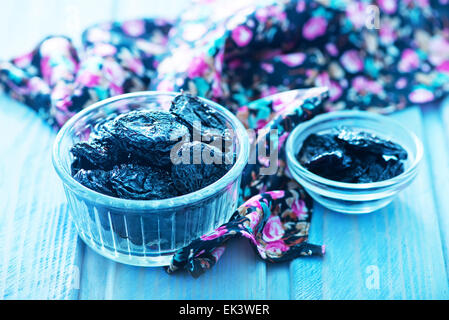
(131, 181)
(133, 156)
(352, 156)
(198, 166)
(97, 180)
(96, 154)
(204, 123)
(367, 142)
(193, 112)
(147, 136)
(129, 156)
(322, 153)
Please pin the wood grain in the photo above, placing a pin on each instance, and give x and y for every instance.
(405, 244)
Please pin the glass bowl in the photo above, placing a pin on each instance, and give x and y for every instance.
(354, 198)
(145, 232)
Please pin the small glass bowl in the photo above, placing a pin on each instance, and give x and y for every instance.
(145, 232)
(354, 198)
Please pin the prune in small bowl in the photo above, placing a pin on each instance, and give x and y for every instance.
(353, 161)
(142, 228)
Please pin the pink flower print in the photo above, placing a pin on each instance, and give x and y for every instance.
(356, 13)
(300, 6)
(362, 85)
(401, 83)
(266, 92)
(276, 194)
(218, 61)
(276, 12)
(388, 6)
(218, 252)
(444, 67)
(253, 202)
(254, 218)
(262, 14)
(61, 91)
(323, 80)
(197, 67)
(335, 91)
(332, 49)
(135, 65)
(276, 248)
(104, 49)
(351, 61)
(215, 234)
(282, 139)
(261, 123)
(421, 95)
(165, 85)
(268, 67)
(438, 50)
(114, 72)
(200, 253)
(298, 208)
(409, 61)
(242, 35)
(261, 250)
(293, 59)
(134, 28)
(88, 79)
(314, 28)
(387, 33)
(36, 84)
(23, 61)
(216, 86)
(243, 109)
(273, 229)
(358, 83)
(55, 45)
(46, 69)
(422, 3)
(62, 117)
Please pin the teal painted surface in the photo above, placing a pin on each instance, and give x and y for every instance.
(405, 245)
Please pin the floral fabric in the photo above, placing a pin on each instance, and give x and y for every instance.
(250, 56)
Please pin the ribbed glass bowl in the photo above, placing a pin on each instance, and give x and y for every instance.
(354, 198)
(145, 232)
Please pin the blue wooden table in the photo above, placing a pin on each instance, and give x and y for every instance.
(400, 252)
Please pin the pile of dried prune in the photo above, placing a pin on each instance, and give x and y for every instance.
(352, 156)
(151, 154)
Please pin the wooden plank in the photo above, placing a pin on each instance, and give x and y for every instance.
(41, 257)
(40, 254)
(97, 276)
(401, 244)
(278, 281)
(239, 275)
(39, 251)
(436, 122)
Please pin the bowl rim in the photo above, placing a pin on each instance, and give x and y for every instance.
(404, 176)
(187, 199)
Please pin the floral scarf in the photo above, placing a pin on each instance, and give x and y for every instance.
(251, 57)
